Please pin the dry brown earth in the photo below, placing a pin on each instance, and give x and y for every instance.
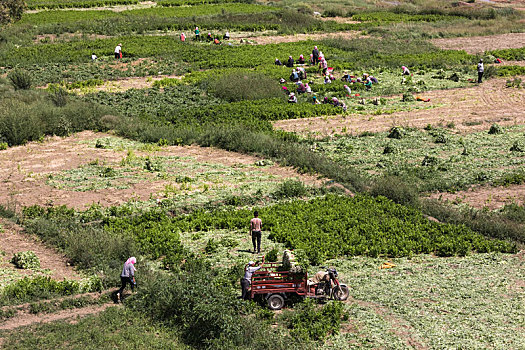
(486, 196)
(12, 241)
(23, 171)
(478, 44)
(470, 109)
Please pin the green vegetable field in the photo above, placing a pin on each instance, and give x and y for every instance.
(134, 154)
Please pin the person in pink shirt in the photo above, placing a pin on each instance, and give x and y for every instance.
(255, 232)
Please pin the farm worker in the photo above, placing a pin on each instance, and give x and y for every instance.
(315, 101)
(197, 33)
(93, 57)
(294, 76)
(216, 41)
(368, 83)
(301, 88)
(278, 62)
(290, 62)
(282, 81)
(292, 99)
(127, 276)
(249, 269)
(327, 79)
(285, 89)
(374, 80)
(301, 59)
(480, 71)
(209, 37)
(302, 72)
(405, 70)
(312, 59)
(346, 76)
(323, 65)
(315, 55)
(348, 90)
(308, 88)
(182, 37)
(227, 35)
(255, 230)
(118, 51)
(326, 100)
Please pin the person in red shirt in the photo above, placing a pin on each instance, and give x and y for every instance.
(255, 232)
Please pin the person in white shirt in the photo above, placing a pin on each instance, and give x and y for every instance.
(480, 71)
(118, 51)
(247, 279)
(93, 57)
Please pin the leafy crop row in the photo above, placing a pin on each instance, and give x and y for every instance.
(335, 226)
(63, 17)
(59, 4)
(399, 17)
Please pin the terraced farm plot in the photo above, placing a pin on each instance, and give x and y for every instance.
(126, 170)
(439, 158)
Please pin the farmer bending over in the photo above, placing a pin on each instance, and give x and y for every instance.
(249, 269)
(127, 276)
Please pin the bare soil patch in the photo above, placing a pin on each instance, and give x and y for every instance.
(130, 83)
(478, 44)
(67, 37)
(24, 169)
(277, 39)
(116, 8)
(486, 196)
(470, 109)
(13, 240)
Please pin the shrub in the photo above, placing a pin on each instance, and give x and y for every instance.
(211, 246)
(394, 188)
(20, 79)
(390, 148)
(396, 133)
(271, 256)
(495, 129)
(26, 260)
(3, 146)
(291, 189)
(245, 86)
(517, 146)
(312, 322)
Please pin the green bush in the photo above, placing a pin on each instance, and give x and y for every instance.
(272, 255)
(313, 322)
(26, 260)
(245, 86)
(20, 79)
(291, 189)
(495, 129)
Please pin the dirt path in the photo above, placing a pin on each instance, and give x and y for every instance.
(12, 241)
(24, 318)
(116, 8)
(470, 109)
(24, 171)
(478, 44)
(486, 196)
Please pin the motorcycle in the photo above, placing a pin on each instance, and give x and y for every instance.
(330, 287)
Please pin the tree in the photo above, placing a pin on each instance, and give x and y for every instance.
(11, 10)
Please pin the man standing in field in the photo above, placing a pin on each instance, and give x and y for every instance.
(255, 232)
(315, 55)
(118, 51)
(480, 70)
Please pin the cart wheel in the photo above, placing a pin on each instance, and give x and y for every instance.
(275, 302)
(341, 292)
